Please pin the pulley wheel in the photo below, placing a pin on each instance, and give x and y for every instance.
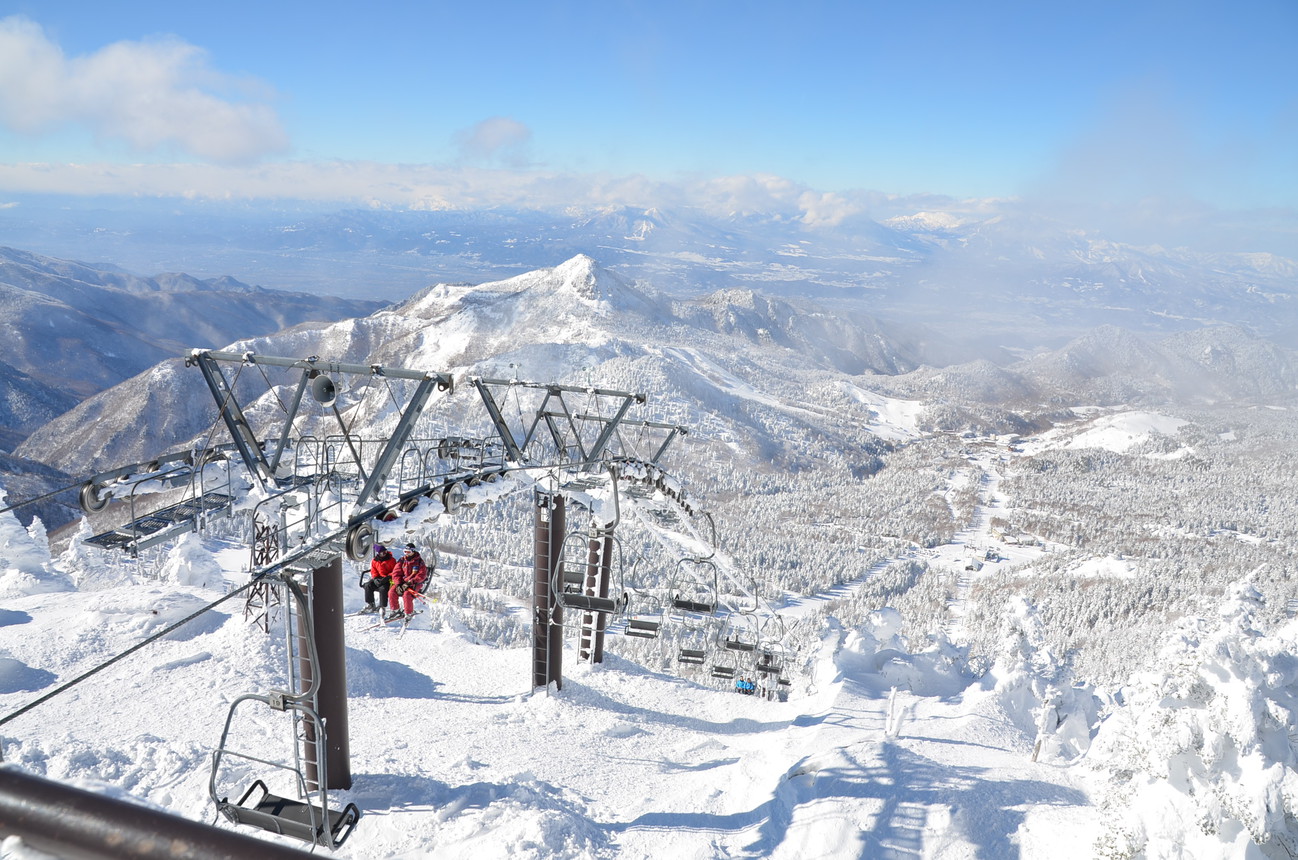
(360, 540)
(453, 497)
(89, 499)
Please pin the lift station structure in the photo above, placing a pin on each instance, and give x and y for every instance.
(313, 488)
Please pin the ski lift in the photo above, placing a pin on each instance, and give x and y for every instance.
(725, 670)
(643, 628)
(573, 584)
(573, 594)
(692, 656)
(740, 632)
(645, 619)
(694, 645)
(695, 590)
(308, 818)
(771, 659)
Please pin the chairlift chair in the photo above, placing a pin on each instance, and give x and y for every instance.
(740, 635)
(694, 646)
(696, 589)
(569, 580)
(771, 659)
(309, 819)
(645, 617)
(692, 656)
(643, 628)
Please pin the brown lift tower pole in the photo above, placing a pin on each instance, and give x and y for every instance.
(547, 614)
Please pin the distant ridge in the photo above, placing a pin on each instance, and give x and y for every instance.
(755, 366)
(72, 329)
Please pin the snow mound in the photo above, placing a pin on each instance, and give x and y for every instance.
(16, 675)
(1119, 433)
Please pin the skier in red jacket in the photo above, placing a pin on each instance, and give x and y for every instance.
(381, 567)
(407, 579)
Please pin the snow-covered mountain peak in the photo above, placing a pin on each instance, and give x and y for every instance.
(926, 222)
(584, 278)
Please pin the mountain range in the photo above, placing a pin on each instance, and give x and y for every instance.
(72, 329)
(982, 274)
(768, 373)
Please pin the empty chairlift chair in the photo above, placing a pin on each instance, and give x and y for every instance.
(645, 620)
(695, 589)
(307, 817)
(575, 583)
(644, 628)
(725, 671)
(692, 656)
(695, 644)
(770, 661)
(740, 633)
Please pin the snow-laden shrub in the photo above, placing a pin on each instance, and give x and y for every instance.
(93, 569)
(1200, 760)
(1030, 684)
(190, 563)
(25, 566)
(878, 648)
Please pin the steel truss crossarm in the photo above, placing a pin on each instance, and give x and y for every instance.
(597, 450)
(250, 448)
(388, 456)
(244, 439)
(516, 452)
(443, 380)
(513, 453)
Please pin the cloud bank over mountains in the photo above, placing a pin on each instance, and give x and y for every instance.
(204, 133)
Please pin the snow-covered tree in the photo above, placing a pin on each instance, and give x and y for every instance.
(1200, 759)
(25, 558)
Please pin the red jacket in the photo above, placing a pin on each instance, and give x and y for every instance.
(382, 565)
(410, 570)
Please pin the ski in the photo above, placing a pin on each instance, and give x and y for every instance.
(386, 622)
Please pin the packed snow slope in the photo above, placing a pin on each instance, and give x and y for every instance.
(453, 755)
(878, 750)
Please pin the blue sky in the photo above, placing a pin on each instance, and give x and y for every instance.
(436, 102)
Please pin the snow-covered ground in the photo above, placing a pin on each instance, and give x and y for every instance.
(877, 752)
(453, 755)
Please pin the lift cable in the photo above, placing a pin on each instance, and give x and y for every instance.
(16, 505)
(129, 651)
(273, 389)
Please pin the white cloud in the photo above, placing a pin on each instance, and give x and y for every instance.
(432, 187)
(151, 95)
(496, 140)
(826, 209)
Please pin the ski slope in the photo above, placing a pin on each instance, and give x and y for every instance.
(453, 755)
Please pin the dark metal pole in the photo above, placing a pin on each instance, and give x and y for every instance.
(541, 592)
(327, 622)
(547, 615)
(558, 527)
(605, 575)
(78, 825)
